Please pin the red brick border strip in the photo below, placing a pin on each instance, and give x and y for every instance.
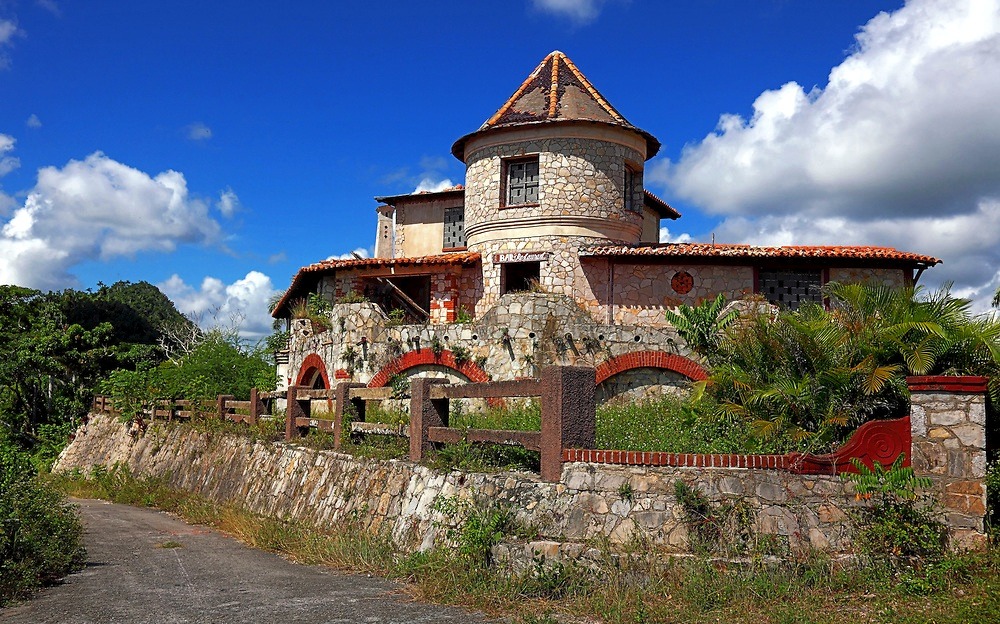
(879, 440)
(945, 383)
(650, 359)
(423, 357)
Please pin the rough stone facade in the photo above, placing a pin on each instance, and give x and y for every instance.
(398, 497)
(948, 424)
(589, 501)
(520, 334)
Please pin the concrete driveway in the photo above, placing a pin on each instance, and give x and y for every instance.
(209, 578)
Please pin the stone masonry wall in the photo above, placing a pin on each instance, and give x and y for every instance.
(948, 425)
(398, 497)
(514, 339)
(576, 176)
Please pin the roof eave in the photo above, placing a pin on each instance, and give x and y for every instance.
(458, 147)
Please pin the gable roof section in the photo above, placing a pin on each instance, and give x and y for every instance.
(306, 279)
(731, 254)
(665, 210)
(449, 193)
(556, 91)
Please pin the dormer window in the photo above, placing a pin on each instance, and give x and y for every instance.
(521, 181)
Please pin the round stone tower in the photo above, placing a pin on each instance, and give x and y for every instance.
(556, 168)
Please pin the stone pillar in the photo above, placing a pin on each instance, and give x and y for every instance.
(424, 414)
(948, 425)
(568, 414)
(342, 395)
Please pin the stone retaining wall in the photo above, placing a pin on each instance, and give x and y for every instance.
(592, 501)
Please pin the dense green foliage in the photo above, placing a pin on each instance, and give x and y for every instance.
(805, 379)
(216, 363)
(40, 535)
(58, 345)
(701, 326)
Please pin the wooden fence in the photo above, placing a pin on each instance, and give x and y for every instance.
(567, 432)
(260, 405)
(566, 395)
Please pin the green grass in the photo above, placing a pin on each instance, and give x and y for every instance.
(640, 586)
(673, 425)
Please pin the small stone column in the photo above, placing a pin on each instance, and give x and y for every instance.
(948, 425)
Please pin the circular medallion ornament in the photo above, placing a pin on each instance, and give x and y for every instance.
(682, 282)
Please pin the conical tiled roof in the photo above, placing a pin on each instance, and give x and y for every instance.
(556, 92)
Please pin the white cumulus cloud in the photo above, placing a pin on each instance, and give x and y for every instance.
(352, 255)
(198, 131)
(900, 147)
(242, 305)
(579, 11)
(8, 163)
(97, 209)
(432, 185)
(8, 30)
(33, 121)
(228, 203)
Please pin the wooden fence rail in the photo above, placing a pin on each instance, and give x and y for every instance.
(566, 394)
(260, 405)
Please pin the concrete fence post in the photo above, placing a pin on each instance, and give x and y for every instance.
(294, 409)
(568, 414)
(424, 414)
(948, 428)
(342, 397)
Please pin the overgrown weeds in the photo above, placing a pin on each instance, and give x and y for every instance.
(41, 538)
(639, 585)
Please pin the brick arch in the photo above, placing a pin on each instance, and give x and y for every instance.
(310, 366)
(411, 359)
(650, 359)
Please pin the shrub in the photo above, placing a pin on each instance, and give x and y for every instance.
(40, 535)
(892, 530)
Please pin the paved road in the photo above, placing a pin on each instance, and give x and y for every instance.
(211, 578)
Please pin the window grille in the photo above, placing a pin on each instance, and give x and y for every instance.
(522, 182)
(454, 228)
(790, 288)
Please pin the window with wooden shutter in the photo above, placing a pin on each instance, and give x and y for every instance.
(522, 182)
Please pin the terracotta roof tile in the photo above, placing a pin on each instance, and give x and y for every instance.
(464, 258)
(556, 91)
(313, 271)
(456, 190)
(709, 250)
(666, 210)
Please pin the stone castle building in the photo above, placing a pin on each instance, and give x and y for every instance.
(550, 253)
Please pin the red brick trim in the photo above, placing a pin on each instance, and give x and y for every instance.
(878, 440)
(650, 359)
(947, 383)
(341, 373)
(680, 460)
(410, 359)
(310, 365)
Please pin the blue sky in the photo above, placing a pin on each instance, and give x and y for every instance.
(213, 148)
